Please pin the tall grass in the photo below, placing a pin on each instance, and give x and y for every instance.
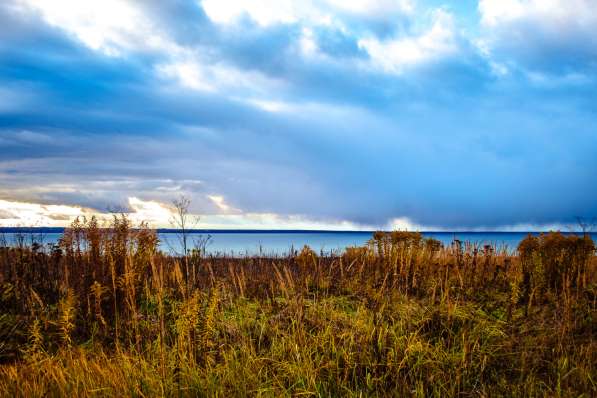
(104, 313)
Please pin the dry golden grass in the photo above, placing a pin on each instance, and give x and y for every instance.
(106, 314)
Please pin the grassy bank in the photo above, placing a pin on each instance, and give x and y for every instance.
(106, 314)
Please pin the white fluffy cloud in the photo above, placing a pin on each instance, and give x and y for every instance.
(542, 34)
(553, 15)
(27, 214)
(268, 12)
(31, 214)
(395, 55)
(264, 12)
(191, 73)
(373, 7)
(116, 27)
(109, 26)
(160, 215)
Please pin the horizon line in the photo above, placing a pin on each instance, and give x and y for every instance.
(253, 230)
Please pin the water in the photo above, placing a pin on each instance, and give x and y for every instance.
(276, 242)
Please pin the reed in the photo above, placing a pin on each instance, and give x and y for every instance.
(105, 313)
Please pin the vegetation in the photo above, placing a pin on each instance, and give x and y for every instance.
(104, 313)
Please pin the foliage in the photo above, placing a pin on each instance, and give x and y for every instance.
(105, 313)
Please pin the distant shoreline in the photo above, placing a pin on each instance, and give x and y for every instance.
(278, 231)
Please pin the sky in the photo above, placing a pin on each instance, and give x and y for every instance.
(323, 114)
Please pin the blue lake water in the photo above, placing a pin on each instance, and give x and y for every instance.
(281, 242)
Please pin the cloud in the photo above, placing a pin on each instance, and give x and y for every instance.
(7, 215)
(17, 213)
(35, 214)
(555, 36)
(158, 215)
(13, 98)
(374, 7)
(565, 15)
(362, 116)
(325, 12)
(395, 55)
(221, 204)
(110, 26)
(261, 11)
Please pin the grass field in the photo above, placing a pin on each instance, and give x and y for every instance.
(106, 314)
